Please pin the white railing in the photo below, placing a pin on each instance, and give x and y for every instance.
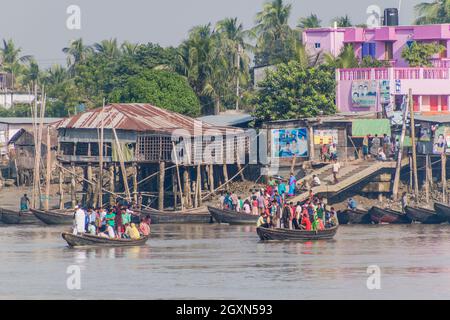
(395, 73)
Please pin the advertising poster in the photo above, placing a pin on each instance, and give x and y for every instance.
(364, 94)
(322, 137)
(287, 143)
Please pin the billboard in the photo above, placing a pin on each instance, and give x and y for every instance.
(322, 137)
(287, 143)
(364, 93)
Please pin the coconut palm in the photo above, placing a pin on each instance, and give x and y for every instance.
(32, 74)
(437, 11)
(107, 48)
(309, 22)
(129, 48)
(55, 75)
(272, 30)
(346, 59)
(305, 58)
(343, 21)
(76, 53)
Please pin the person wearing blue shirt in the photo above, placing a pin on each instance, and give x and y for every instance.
(352, 204)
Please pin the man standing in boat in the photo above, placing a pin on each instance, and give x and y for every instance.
(24, 203)
(80, 221)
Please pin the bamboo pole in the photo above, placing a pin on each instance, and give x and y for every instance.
(48, 171)
(444, 177)
(161, 185)
(199, 184)
(174, 189)
(111, 184)
(61, 189)
(400, 155)
(135, 183)
(187, 194)
(211, 178)
(100, 154)
(122, 165)
(178, 176)
(413, 142)
(220, 187)
(73, 195)
(427, 177)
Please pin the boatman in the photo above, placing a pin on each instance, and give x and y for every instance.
(24, 203)
(80, 221)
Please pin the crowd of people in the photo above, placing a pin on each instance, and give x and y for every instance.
(274, 209)
(116, 222)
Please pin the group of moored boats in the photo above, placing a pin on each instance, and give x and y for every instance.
(377, 215)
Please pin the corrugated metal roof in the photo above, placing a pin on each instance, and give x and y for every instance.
(139, 117)
(227, 119)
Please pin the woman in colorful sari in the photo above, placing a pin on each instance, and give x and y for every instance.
(292, 184)
(306, 223)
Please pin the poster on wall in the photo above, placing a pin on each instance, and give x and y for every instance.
(322, 137)
(442, 141)
(287, 143)
(364, 93)
(385, 92)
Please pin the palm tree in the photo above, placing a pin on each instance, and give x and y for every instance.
(305, 58)
(56, 75)
(76, 53)
(32, 75)
(272, 30)
(346, 59)
(232, 38)
(343, 21)
(12, 62)
(435, 12)
(107, 48)
(309, 22)
(129, 48)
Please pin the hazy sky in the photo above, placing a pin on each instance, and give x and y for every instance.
(39, 26)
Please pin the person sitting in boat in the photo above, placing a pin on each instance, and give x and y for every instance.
(234, 202)
(24, 203)
(126, 216)
(110, 219)
(333, 218)
(263, 221)
(92, 230)
(144, 227)
(80, 221)
(351, 204)
(306, 222)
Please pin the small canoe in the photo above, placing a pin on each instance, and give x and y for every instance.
(442, 210)
(354, 216)
(18, 217)
(378, 215)
(193, 216)
(232, 217)
(56, 217)
(269, 234)
(425, 216)
(86, 240)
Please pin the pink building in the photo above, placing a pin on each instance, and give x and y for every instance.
(373, 89)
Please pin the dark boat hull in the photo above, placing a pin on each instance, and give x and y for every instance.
(355, 216)
(423, 215)
(94, 241)
(230, 217)
(378, 215)
(198, 216)
(442, 210)
(17, 217)
(53, 217)
(267, 234)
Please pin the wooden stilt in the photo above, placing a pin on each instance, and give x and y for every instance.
(90, 188)
(211, 178)
(199, 184)
(112, 182)
(187, 193)
(225, 172)
(413, 143)
(135, 183)
(161, 179)
(444, 177)
(61, 189)
(73, 188)
(427, 177)
(48, 171)
(175, 189)
(178, 176)
(410, 174)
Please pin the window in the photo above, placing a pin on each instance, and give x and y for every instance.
(368, 50)
(317, 45)
(389, 51)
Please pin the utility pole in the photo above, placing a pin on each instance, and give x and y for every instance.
(413, 142)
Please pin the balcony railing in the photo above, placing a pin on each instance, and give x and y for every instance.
(395, 73)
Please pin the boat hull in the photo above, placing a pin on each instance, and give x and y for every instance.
(230, 217)
(423, 215)
(17, 217)
(268, 234)
(197, 216)
(379, 216)
(53, 217)
(356, 216)
(95, 241)
(442, 210)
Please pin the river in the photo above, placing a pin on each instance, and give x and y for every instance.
(229, 262)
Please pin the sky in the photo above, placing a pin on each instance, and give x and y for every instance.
(39, 27)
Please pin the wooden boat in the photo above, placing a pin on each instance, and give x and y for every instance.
(442, 210)
(425, 216)
(354, 216)
(86, 240)
(378, 215)
(194, 216)
(268, 234)
(18, 217)
(54, 217)
(232, 217)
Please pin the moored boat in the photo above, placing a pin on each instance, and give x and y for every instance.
(379, 215)
(442, 210)
(54, 217)
(86, 240)
(193, 216)
(354, 216)
(269, 234)
(18, 217)
(232, 217)
(425, 216)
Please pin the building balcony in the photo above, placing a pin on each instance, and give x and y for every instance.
(393, 73)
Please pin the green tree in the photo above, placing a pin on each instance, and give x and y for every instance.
(108, 48)
(76, 53)
(160, 88)
(346, 59)
(274, 36)
(420, 54)
(435, 12)
(343, 21)
(309, 22)
(293, 92)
